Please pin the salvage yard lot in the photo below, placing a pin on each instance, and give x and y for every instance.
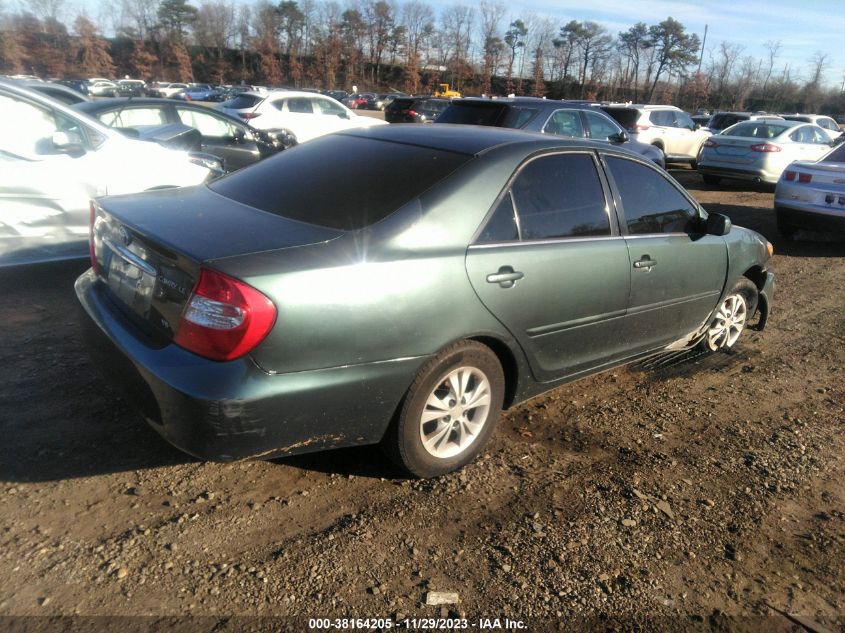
(702, 487)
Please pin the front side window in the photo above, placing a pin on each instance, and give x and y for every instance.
(207, 124)
(328, 106)
(132, 117)
(28, 130)
(560, 196)
(564, 123)
(652, 204)
(601, 127)
(683, 120)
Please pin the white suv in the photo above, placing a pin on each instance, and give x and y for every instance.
(306, 115)
(666, 127)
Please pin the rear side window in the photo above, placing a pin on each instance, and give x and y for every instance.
(662, 118)
(560, 196)
(651, 203)
(326, 182)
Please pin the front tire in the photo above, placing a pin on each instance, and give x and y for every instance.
(449, 411)
(732, 316)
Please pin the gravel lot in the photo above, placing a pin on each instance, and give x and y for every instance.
(708, 493)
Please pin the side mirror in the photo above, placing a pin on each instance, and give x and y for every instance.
(717, 224)
(619, 137)
(697, 126)
(69, 144)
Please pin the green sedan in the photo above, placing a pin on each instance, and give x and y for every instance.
(402, 285)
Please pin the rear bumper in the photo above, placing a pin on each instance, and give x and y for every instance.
(811, 217)
(767, 294)
(754, 175)
(226, 411)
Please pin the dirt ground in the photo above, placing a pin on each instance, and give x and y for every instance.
(707, 492)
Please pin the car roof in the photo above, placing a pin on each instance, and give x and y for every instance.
(555, 104)
(469, 139)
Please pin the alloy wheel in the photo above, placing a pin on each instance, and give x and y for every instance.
(455, 412)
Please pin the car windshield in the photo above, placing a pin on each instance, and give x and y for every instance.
(835, 156)
(756, 129)
(241, 102)
(326, 182)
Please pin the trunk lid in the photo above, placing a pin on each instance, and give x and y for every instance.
(149, 248)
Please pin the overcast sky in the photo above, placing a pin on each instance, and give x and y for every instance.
(803, 27)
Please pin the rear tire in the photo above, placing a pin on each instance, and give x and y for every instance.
(710, 179)
(449, 411)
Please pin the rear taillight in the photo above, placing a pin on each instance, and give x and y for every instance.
(248, 116)
(411, 112)
(640, 128)
(766, 148)
(224, 318)
(804, 178)
(789, 175)
(92, 252)
(710, 143)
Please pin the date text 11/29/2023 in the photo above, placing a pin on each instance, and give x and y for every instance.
(415, 624)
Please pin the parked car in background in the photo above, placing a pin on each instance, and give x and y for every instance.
(80, 85)
(53, 160)
(228, 137)
(196, 93)
(574, 119)
(337, 95)
(384, 100)
(811, 195)
(827, 123)
(281, 298)
(701, 119)
(59, 92)
(304, 115)
(723, 120)
(362, 101)
(131, 88)
(668, 128)
(414, 109)
(165, 89)
(760, 150)
(103, 88)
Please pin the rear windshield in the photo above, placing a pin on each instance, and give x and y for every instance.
(626, 117)
(340, 182)
(241, 102)
(756, 129)
(492, 114)
(836, 156)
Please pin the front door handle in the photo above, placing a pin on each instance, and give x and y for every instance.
(645, 262)
(505, 277)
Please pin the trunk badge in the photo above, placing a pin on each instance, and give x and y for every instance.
(125, 236)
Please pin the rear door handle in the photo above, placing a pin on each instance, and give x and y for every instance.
(505, 277)
(645, 262)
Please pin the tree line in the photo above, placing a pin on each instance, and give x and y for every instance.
(404, 45)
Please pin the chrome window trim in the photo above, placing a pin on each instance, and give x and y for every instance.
(561, 240)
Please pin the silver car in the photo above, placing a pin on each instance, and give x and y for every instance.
(811, 195)
(53, 160)
(760, 150)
